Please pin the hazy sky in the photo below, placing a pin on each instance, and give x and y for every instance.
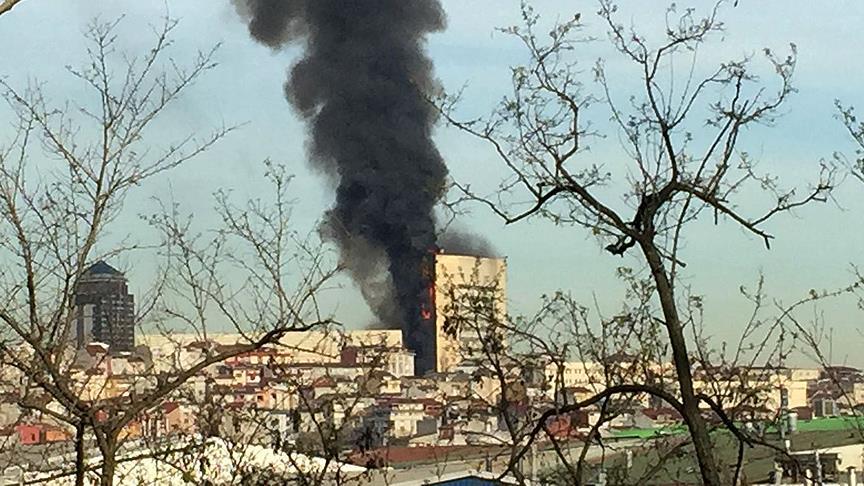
(813, 249)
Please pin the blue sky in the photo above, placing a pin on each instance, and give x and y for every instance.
(814, 248)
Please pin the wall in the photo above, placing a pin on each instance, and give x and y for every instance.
(296, 347)
(29, 434)
(458, 276)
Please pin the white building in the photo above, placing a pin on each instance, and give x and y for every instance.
(396, 418)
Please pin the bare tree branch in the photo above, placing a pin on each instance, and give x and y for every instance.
(7, 5)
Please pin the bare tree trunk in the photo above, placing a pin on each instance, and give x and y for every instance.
(109, 459)
(695, 423)
(108, 467)
(79, 453)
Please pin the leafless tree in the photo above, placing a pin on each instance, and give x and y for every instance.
(811, 330)
(855, 128)
(64, 177)
(560, 377)
(678, 168)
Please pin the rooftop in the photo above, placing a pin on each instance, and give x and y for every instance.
(102, 268)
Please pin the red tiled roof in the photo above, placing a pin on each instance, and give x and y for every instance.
(323, 381)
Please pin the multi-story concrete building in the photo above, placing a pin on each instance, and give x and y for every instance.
(468, 295)
(586, 377)
(396, 418)
(396, 360)
(180, 350)
(104, 308)
(766, 390)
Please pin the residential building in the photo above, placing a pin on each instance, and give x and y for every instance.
(396, 418)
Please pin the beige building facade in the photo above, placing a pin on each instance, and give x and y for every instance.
(469, 297)
(182, 350)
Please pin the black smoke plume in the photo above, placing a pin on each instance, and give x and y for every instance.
(359, 87)
(459, 242)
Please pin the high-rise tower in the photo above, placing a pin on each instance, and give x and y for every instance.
(466, 295)
(104, 308)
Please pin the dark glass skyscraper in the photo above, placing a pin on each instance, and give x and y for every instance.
(105, 310)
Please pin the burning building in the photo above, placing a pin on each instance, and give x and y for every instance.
(362, 86)
(466, 298)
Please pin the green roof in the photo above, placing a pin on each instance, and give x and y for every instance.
(814, 425)
(681, 468)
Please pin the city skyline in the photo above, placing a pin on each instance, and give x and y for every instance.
(250, 77)
(811, 249)
(331, 241)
